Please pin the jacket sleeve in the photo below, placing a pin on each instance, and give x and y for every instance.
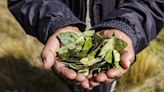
(141, 20)
(41, 18)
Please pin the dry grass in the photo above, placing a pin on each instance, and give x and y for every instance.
(146, 74)
(20, 63)
(13, 39)
(144, 68)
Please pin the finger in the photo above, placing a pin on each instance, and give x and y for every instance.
(78, 32)
(85, 84)
(93, 82)
(48, 58)
(125, 60)
(58, 65)
(80, 77)
(68, 73)
(101, 77)
(49, 52)
(90, 76)
(115, 73)
(108, 34)
(65, 72)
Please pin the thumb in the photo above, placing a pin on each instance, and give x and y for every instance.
(48, 57)
(49, 52)
(126, 59)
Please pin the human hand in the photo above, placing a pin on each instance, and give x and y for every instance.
(49, 57)
(127, 58)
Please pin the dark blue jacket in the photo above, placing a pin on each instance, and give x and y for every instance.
(141, 20)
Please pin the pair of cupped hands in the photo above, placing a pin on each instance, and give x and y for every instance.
(49, 57)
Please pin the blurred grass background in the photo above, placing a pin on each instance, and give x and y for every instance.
(21, 67)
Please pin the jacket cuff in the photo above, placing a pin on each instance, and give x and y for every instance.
(122, 26)
(56, 23)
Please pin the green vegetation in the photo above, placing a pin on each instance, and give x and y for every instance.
(21, 67)
(90, 52)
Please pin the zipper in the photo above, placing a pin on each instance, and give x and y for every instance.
(87, 19)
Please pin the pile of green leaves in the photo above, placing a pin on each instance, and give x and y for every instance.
(90, 52)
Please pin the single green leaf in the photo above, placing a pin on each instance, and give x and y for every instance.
(88, 33)
(88, 62)
(97, 65)
(116, 55)
(108, 57)
(88, 44)
(97, 40)
(108, 46)
(67, 37)
(120, 44)
(74, 35)
(117, 65)
(63, 39)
